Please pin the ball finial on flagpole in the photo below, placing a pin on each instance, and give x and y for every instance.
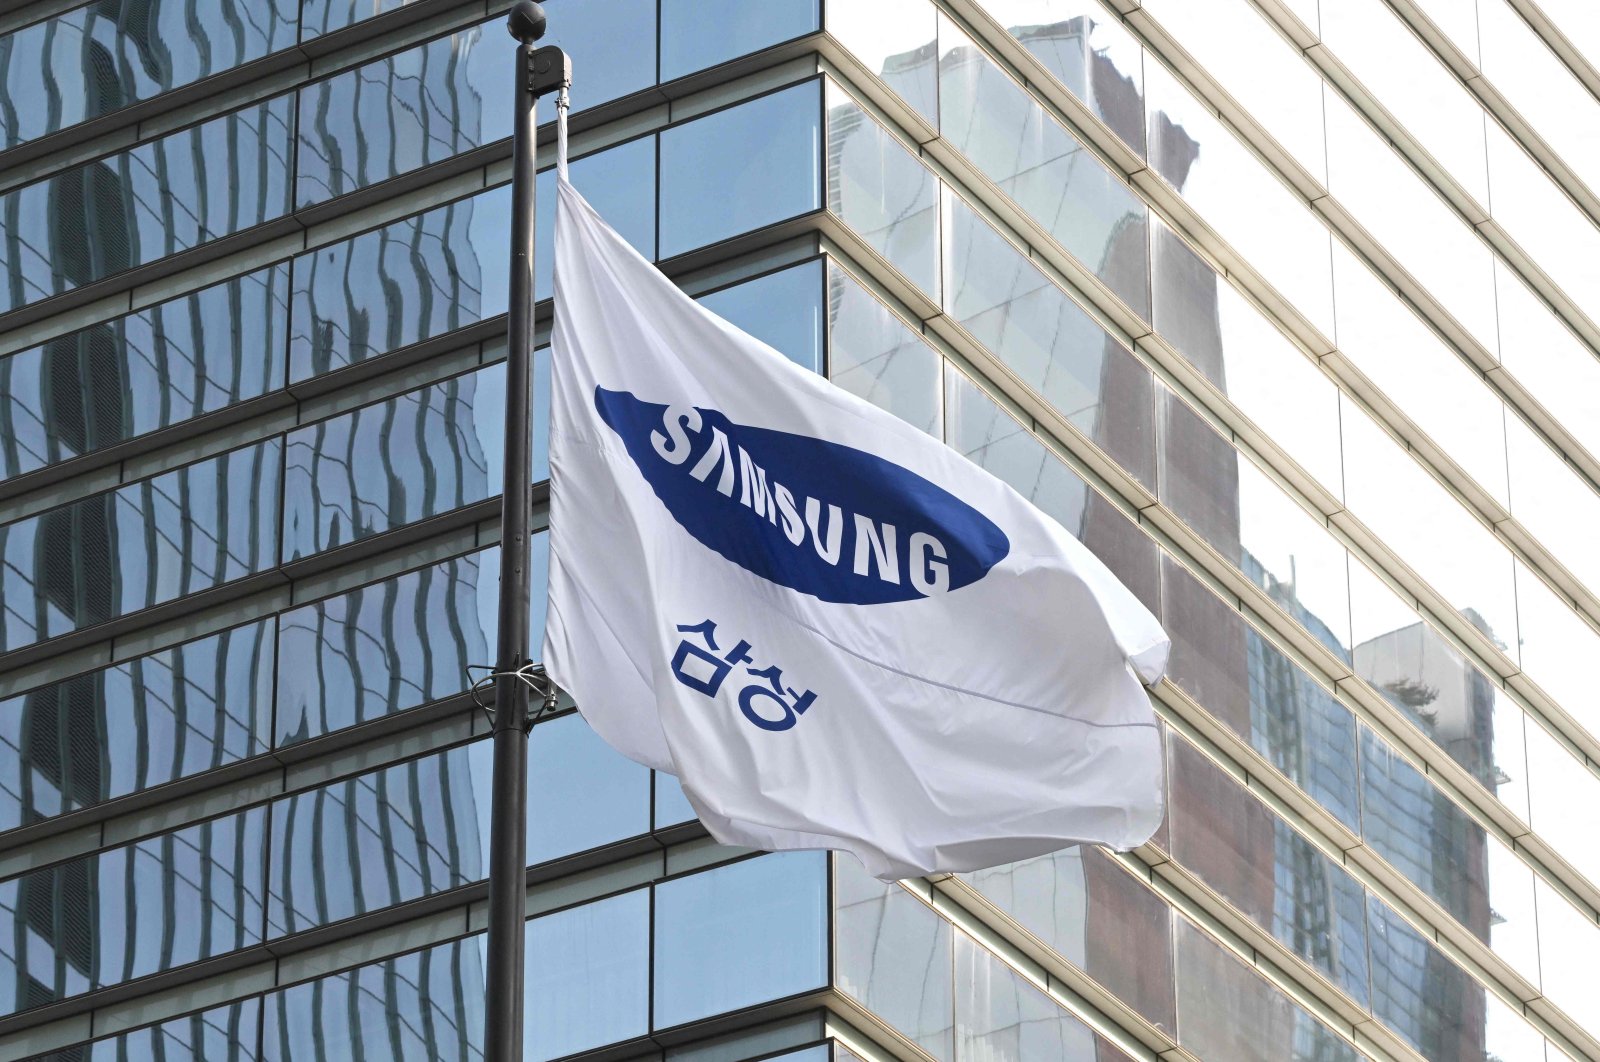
(526, 22)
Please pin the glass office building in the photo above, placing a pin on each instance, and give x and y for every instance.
(1289, 310)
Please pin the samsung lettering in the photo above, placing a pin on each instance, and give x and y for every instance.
(825, 519)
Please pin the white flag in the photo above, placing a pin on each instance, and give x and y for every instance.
(836, 631)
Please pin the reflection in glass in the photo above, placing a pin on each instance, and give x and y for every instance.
(389, 646)
(588, 976)
(162, 197)
(1247, 683)
(428, 1004)
(1420, 993)
(105, 734)
(397, 285)
(1444, 695)
(876, 356)
(882, 191)
(758, 160)
(222, 1034)
(399, 114)
(378, 839)
(162, 903)
(1266, 870)
(1080, 903)
(782, 309)
(140, 545)
(181, 359)
(98, 58)
(740, 934)
(1090, 53)
(1227, 1011)
(696, 34)
(896, 40)
(893, 956)
(1244, 355)
(1046, 170)
(1002, 1018)
(395, 462)
(587, 793)
(1018, 313)
(1565, 800)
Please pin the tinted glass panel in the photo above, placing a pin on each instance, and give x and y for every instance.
(382, 838)
(696, 34)
(782, 309)
(619, 182)
(428, 1004)
(759, 160)
(106, 734)
(389, 464)
(1013, 309)
(1046, 170)
(409, 281)
(587, 793)
(1002, 1018)
(389, 646)
(616, 40)
(893, 956)
(103, 56)
(131, 375)
(149, 542)
(740, 934)
(882, 191)
(874, 354)
(401, 113)
(588, 976)
(1421, 994)
(132, 911)
(223, 1034)
(160, 198)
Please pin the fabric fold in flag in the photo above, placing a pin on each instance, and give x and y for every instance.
(836, 631)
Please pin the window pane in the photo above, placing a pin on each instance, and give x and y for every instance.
(140, 545)
(222, 1034)
(1093, 214)
(106, 734)
(740, 934)
(88, 223)
(897, 41)
(882, 191)
(875, 355)
(586, 794)
(101, 57)
(379, 839)
(782, 309)
(389, 646)
(1018, 313)
(390, 464)
(131, 375)
(162, 903)
(428, 1004)
(758, 161)
(402, 113)
(614, 39)
(1002, 1018)
(696, 34)
(672, 807)
(401, 284)
(893, 956)
(588, 976)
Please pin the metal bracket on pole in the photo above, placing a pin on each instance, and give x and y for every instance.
(549, 69)
(530, 675)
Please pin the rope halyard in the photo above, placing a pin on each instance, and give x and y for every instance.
(531, 674)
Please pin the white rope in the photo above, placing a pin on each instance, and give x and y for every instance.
(561, 133)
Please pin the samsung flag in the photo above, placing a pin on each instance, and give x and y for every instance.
(835, 631)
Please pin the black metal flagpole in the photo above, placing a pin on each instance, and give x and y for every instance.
(538, 72)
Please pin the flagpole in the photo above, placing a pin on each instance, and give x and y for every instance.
(537, 72)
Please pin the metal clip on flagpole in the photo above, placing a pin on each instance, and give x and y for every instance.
(537, 72)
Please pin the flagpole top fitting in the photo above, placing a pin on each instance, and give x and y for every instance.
(526, 22)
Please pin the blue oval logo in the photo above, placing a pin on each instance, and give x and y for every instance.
(827, 520)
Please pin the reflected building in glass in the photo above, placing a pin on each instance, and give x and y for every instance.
(1260, 299)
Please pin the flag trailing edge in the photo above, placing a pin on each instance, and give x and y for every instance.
(835, 630)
